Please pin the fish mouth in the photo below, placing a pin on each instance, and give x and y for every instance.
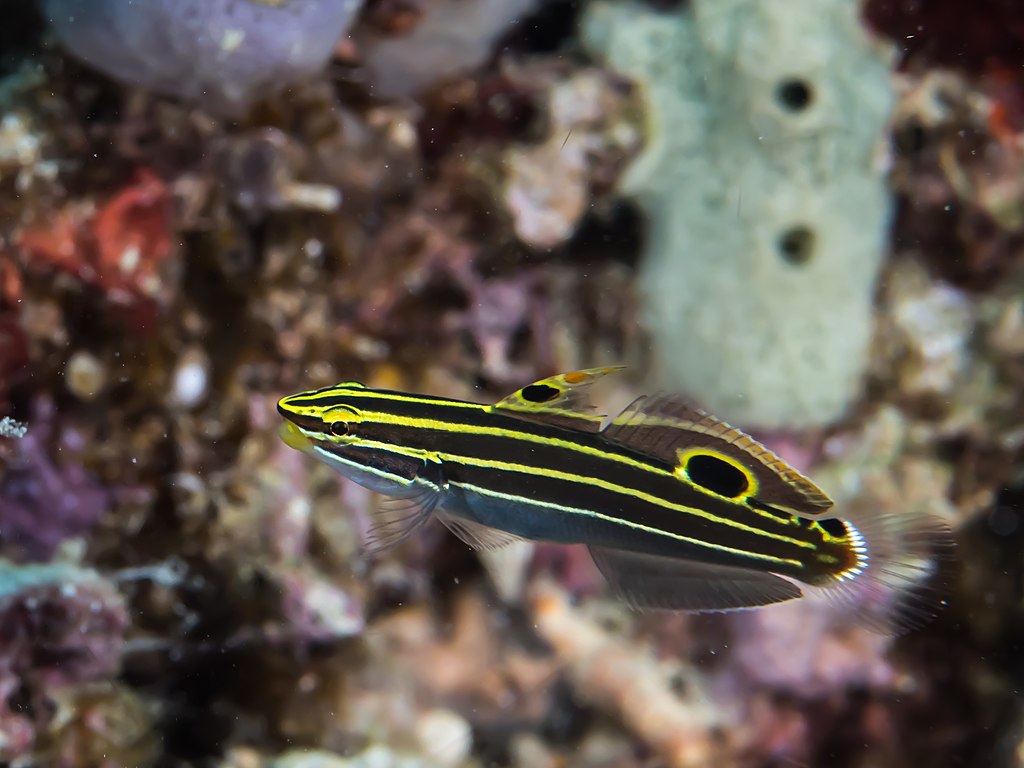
(292, 436)
(290, 431)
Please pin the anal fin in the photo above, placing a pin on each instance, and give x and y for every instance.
(665, 583)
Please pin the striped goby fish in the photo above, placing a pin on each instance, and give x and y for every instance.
(679, 510)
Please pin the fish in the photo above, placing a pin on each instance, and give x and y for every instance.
(679, 510)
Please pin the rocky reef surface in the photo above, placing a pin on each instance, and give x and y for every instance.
(460, 197)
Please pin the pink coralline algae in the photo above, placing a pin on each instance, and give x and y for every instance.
(60, 625)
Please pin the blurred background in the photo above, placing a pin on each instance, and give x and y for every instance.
(807, 216)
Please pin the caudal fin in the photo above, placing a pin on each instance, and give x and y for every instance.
(900, 582)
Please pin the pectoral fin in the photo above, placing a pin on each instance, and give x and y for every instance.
(665, 583)
(398, 517)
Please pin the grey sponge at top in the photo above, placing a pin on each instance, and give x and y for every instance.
(219, 53)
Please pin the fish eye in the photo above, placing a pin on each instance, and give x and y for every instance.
(540, 393)
(339, 428)
(716, 475)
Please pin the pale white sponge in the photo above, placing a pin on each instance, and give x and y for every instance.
(767, 203)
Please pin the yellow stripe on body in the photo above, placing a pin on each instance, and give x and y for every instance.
(390, 419)
(380, 395)
(527, 469)
(635, 526)
(413, 453)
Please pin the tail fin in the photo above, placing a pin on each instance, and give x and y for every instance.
(901, 580)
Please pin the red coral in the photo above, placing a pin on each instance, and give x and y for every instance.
(1005, 90)
(14, 347)
(118, 250)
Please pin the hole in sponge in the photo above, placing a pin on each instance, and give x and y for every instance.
(794, 94)
(796, 245)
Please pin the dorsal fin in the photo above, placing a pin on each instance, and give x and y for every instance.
(670, 429)
(559, 400)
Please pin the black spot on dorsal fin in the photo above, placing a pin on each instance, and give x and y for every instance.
(716, 475)
(561, 400)
(663, 426)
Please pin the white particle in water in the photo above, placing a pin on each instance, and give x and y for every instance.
(84, 375)
(190, 381)
(314, 248)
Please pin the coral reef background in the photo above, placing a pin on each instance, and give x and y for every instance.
(225, 202)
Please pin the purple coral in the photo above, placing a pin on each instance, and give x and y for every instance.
(43, 503)
(220, 53)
